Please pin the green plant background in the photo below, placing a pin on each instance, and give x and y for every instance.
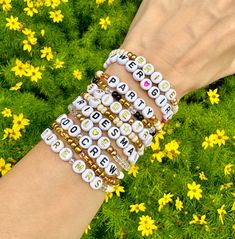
(81, 43)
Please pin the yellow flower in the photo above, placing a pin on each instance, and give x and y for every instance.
(104, 22)
(13, 23)
(220, 138)
(6, 5)
(198, 220)
(77, 74)
(233, 207)
(178, 204)
(228, 169)
(13, 133)
(222, 212)
(30, 9)
(194, 191)
(98, 2)
(87, 228)
(4, 168)
(58, 64)
(226, 186)
(108, 196)
(160, 135)
(27, 46)
(209, 141)
(20, 68)
(6, 112)
(19, 121)
(214, 97)
(157, 153)
(47, 53)
(52, 3)
(202, 176)
(118, 189)
(137, 208)
(134, 170)
(17, 86)
(146, 225)
(34, 73)
(56, 16)
(171, 149)
(110, 2)
(42, 32)
(164, 200)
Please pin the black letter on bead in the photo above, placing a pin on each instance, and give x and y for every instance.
(124, 141)
(123, 56)
(114, 132)
(94, 150)
(112, 169)
(131, 64)
(149, 111)
(131, 95)
(140, 73)
(95, 115)
(105, 159)
(122, 87)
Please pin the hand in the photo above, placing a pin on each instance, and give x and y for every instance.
(192, 43)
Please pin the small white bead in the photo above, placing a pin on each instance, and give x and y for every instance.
(96, 116)
(74, 130)
(114, 133)
(153, 92)
(96, 183)
(85, 142)
(113, 58)
(156, 77)
(104, 142)
(129, 150)
(147, 142)
(165, 109)
(133, 158)
(113, 81)
(125, 129)
(88, 175)
(158, 125)
(140, 61)
(131, 66)
(47, 132)
(100, 107)
(115, 107)
(49, 139)
(144, 134)
(87, 110)
(137, 126)
(91, 88)
(57, 145)
(161, 100)
(121, 175)
(66, 154)
(86, 124)
(79, 103)
(66, 123)
(98, 93)
(146, 84)
(138, 75)
(79, 166)
(124, 115)
(131, 96)
(116, 120)
(119, 124)
(148, 112)
(98, 74)
(107, 100)
(141, 150)
(111, 169)
(103, 161)
(94, 151)
(148, 69)
(135, 139)
(164, 86)
(139, 104)
(94, 102)
(122, 59)
(175, 108)
(122, 88)
(63, 116)
(103, 110)
(105, 124)
(122, 142)
(170, 94)
(95, 133)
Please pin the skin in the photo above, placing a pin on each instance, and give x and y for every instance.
(191, 43)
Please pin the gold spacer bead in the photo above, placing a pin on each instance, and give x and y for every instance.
(122, 101)
(127, 104)
(79, 116)
(107, 113)
(73, 145)
(111, 117)
(82, 118)
(70, 141)
(77, 149)
(110, 150)
(114, 153)
(94, 167)
(131, 121)
(100, 173)
(149, 125)
(86, 158)
(133, 57)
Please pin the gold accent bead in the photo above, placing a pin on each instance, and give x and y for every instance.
(114, 153)
(94, 167)
(122, 101)
(86, 158)
(133, 57)
(149, 125)
(111, 117)
(131, 121)
(127, 104)
(129, 54)
(73, 145)
(82, 118)
(107, 113)
(77, 149)
(70, 141)
(79, 116)
(110, 150)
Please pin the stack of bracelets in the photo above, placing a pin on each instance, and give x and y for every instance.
(112, 115)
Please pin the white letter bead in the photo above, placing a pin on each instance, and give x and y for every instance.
(96, 116)
(139, 104)
(133, 158)
(95, 133)
(46, 133)
(137, 126)
(49, 139)
(122, 88)
(170, 94)
(88, 175)
(113, 58)
(103, 142)
(168, 116)
(161, 100)
(156, 77)
(107, 100)
(148, 112)
(148, 69)
(91, 88)
(153, 92)
(57, 145)
(131, 66)
(94, 151)
(87, 110)
(86, 124)
(111, 169)
(122, 59)
(66, 154)
(85, 142)
(113, 81)
(121, 175)
(165, 109)
(138, 75)
(140, 61)
(129, 150)
(74, 130)
(103, 161)
(115, 107)
(79, 166)
(96, 183)
(105, 124)
(79, 103)
(131, 96)
(94, 102)
(125, 115)
(164, 86)
(63, 116)
(122, 142)
(147, 142)
(98, 93)
(114, 133)
(66, 123)
(125, 129)
(146, 84)
(144, 134)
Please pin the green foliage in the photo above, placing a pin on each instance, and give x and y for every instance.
(80, 42)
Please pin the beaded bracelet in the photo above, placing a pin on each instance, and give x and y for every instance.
(134, 64)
